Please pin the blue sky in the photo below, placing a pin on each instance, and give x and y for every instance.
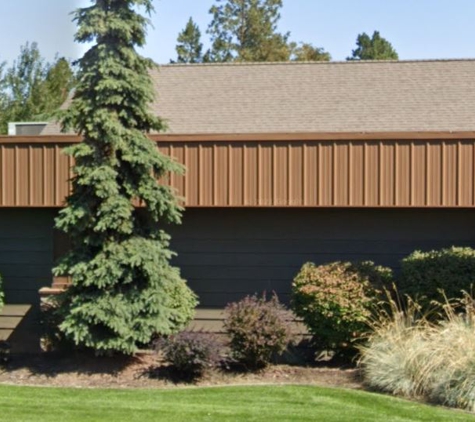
(418, 29)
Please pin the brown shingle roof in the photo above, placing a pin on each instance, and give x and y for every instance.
(378, 96)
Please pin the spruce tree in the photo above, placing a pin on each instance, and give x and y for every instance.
(124, 290)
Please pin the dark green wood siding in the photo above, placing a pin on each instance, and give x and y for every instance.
(26, 252)
(228, 253)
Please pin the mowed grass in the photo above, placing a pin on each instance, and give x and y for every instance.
(259, 403)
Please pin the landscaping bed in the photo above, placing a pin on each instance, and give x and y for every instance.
(146, 371)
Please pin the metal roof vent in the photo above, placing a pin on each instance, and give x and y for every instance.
(25, 128)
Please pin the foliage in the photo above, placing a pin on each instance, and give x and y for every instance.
(189, 47)
(60, 80)
(424, 274)
(391, 359)
(246, 30)
(33, 89)
(289, 403)
(373, 48)
(335, 300)
(124, 290)
(183, 303)
(191, 352)
(414, 357)
(305, 52)
(258, 330)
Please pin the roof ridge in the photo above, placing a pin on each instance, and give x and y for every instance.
(320, 63)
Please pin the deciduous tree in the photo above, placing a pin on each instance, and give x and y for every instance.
(124, 290)
(306, 52)
(32, 89)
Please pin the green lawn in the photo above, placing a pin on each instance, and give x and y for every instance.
(276, 403)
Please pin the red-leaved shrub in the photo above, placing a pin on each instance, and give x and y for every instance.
(258, 329)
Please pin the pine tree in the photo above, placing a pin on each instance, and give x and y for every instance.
(246, 30)
(189, 45)
(124, 290)
(373, 48)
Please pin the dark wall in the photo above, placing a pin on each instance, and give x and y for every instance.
(26, 252)
(228, 253)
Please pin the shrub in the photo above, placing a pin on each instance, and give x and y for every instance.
(191, 352)
(335, 300)
(424, 274)
(183, 304)
(416, 357)
(258, 329)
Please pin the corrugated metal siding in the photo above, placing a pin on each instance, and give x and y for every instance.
(339, 173)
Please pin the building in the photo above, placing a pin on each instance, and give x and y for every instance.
(287, 163)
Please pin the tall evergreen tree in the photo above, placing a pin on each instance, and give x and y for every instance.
(124, 290)
(189, 47)
(373, 48)
(246, 30)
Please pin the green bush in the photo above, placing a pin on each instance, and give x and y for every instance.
(335, 300)
(258, 330)
(183, 304)
(191, 352)
(424, 274)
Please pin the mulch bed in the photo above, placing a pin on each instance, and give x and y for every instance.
(146, 371)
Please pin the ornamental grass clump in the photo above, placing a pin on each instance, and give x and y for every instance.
(429, 356)
(258, 329)
(335, 301)
(392, 356)
(124, 291)
(449, 371)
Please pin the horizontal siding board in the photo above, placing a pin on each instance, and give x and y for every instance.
(228, 254)
(256, 253)
(309, 247)
(26, 252)
(22, 296)
(26, 256)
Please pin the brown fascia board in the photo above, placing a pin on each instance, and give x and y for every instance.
(261, 137)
